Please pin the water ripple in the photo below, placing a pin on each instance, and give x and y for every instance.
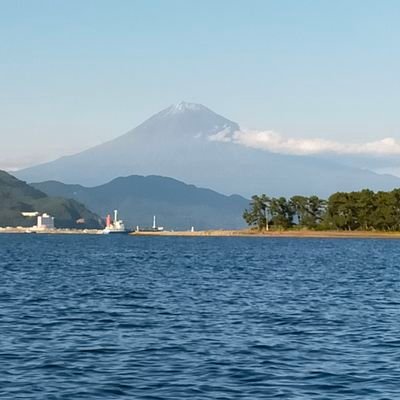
(198, 318)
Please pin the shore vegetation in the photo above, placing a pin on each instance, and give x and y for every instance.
(364, 210)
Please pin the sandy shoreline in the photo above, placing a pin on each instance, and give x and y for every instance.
(285, 234)
(221, 233)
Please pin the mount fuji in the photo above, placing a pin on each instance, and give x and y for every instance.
(186, 141)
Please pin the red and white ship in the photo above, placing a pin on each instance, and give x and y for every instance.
(114, 226)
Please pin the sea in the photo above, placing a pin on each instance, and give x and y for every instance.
(122, 317)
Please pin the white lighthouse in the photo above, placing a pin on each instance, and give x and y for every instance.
(155, 227)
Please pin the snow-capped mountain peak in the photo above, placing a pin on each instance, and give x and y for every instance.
(183, 106)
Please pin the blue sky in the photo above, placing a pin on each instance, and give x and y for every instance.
(74, 73)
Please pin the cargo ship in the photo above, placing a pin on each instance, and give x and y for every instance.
(114, 226)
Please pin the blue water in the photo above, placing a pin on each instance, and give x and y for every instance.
(106, 317)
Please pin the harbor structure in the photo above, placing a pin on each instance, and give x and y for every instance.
(154, 227)
(45, 221)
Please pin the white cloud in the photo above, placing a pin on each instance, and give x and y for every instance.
(277, 143)
(222, 136)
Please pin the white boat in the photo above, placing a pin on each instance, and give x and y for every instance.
(114, 226)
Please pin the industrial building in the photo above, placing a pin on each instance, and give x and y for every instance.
(45, 221)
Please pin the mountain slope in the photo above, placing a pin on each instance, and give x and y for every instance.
(17, 196)
(176, 204)
(180, 142)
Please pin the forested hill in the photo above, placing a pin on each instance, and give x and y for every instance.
(176, 204)
(17, 196)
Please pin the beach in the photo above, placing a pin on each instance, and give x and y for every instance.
(275, 233)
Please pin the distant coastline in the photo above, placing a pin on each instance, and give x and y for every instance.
(56, 231)
(290, 233)
(275, 233)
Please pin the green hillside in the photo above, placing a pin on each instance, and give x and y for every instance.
(137, 198)
(17, 196)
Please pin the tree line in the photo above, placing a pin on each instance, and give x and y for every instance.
(362, 210)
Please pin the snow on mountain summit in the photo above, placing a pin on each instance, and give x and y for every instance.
(184, 120)
(194, 144)
(183, 106)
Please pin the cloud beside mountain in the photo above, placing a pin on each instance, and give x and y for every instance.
(191, 143)
(276, 143)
